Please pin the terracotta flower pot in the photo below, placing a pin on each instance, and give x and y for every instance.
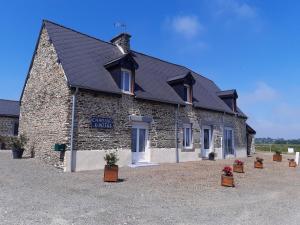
(238, 168)
(111, 173)
(292, 164)
(258, 165)
(277, 157)
(227, 181)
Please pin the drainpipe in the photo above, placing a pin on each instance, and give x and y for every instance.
(71, 166)
(176, 130)
(223, 141)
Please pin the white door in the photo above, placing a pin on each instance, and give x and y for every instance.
(139, 143)
(228, 142)
(206, 140)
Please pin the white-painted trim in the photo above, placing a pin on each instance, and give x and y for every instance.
(143, 125)
(123, 81)
(184, 126)
(121, 49)
(233, 144)
(210, 140)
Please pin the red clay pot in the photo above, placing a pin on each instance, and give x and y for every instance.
(292, 164)
(111, 173)
(258, 165)
(227, 181)
(277, 157)
(238, 168)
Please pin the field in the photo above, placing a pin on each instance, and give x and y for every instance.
(276, 147)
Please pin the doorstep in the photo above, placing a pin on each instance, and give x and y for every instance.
(142, 164)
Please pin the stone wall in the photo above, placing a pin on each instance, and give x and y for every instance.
(162, 128)
(7, 125)
(46, 103)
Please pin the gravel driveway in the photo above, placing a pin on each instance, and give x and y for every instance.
(186, 193)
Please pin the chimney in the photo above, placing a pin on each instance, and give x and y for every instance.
(122, 41)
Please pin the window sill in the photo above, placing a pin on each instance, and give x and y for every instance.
(188, 149)
(127, 93)
(188, 103)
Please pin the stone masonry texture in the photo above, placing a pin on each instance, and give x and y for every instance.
(45, 105)
(7, 125)
(45, 114)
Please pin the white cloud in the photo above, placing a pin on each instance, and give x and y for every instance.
(262, 93)
(236, 8)
(269, 112)
(187, 26)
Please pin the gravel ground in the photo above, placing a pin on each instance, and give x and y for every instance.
(186, 193)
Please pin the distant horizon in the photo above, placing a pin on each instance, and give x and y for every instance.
(238, 44)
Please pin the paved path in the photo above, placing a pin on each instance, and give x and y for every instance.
(186, 193)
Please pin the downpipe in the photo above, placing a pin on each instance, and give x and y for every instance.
(71, 162)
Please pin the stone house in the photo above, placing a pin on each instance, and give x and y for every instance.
(96, 96)
(9, 121)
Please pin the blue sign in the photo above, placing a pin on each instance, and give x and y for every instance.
(102, 122)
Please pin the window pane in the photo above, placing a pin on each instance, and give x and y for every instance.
(184, 137)
(185, 93)
(133, 139)
(188, 137)
(206, 138)
(142, 140)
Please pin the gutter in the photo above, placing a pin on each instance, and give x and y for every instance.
(71, 166)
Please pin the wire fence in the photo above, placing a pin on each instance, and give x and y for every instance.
(276, 147)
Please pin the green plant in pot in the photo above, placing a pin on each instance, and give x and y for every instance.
(111, 168)
(212, 155)
(19, 146)
(277, 156)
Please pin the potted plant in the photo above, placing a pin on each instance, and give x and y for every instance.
(18, 146)
(292, 163)
(111, 169)
(212, 155)
(227, 177)
(238, 166)
(258, 163)
(277, 156)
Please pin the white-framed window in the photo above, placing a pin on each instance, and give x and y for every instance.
(187, 93)
(228, 141)
(126, 81)
(187, 136)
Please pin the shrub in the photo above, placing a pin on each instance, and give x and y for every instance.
(277, 152)
(19, 142)
(238, 162)
(227, 171)
(111, 158)
(260, 160)
(291, 160)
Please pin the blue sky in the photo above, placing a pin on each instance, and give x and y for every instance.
(252, 46)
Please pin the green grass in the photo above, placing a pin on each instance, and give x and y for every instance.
(276, 147)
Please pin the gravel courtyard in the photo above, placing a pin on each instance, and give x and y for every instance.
(185, 193)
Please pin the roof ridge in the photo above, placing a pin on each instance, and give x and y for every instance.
(76, 31)
(107, 42)
(8, 100)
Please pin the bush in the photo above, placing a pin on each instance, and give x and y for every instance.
(260, 160)
(19, 142)
(111, 158)
(238, 162)
(227, 171)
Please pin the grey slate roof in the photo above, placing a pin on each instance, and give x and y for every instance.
(9, 108)
(83, 58)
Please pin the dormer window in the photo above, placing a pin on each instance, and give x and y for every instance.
(183, 85)
(126, 81)
(187, 93)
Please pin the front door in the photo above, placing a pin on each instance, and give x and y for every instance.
(228, 142)
(206, 140)
(139, 142)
